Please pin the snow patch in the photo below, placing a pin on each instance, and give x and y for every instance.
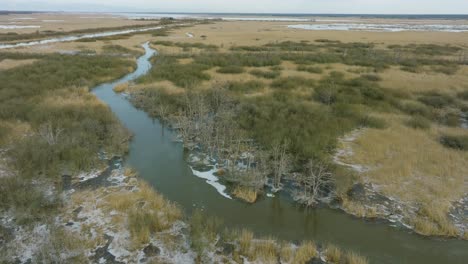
(212, 180)
(190, 35)
(85, 176)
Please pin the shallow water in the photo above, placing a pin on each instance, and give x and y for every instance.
(74, 38)
(382, 27)
(161, 162)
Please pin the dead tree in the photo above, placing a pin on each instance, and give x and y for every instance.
(50, 134)
(281, 162)
(314, 181)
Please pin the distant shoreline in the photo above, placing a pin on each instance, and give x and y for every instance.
(293, 15)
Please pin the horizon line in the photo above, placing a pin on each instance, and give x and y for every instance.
(235, 13)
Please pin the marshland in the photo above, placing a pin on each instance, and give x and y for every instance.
(232, 141)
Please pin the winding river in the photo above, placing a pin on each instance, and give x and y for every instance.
(161, 162)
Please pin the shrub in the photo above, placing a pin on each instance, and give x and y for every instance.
(436, 100)
(182, 75)
(419, 122)
(289, 83)
(231, 70)
(415, 108)
(373, 122)
(372, 77)
(463, 95)
(455, 142)
(266, 74)
(238, 59)
(245, 87)
(448, 69)
(118, 49)
(310, 69)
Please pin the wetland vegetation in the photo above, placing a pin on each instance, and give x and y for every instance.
(298, 119)
(316, 121)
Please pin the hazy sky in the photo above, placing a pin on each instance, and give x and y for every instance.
(260, 6)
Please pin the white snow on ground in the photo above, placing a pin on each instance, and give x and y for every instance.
(190, 35)
(382, 27)
(17, 27)
(464, 121)
(27, 242)
(212, 180)
(84, 176)
(347, 151)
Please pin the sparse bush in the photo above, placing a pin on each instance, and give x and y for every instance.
(231, 70)
(238, 59)
(266, 74)
(455, 142)
(310, 69)
(419, 122)
(183, 75)
(436, 100)
(372, 77)
(290, 83)
(463, 95)
(245, 87)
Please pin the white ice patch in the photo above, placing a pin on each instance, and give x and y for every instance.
(382, 27)
(84, 176)
(212, 180)
(17, 27)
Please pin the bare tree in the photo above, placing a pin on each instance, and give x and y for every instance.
(163, 110)
(50, 134)
(281, 162)
(314, 182)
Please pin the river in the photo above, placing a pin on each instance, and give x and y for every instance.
(161, 162)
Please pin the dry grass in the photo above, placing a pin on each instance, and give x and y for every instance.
(246, 194)
(245, 241)
(358, 209)
(148, 212)
(120, 88)
(354, 258)
(424, 82)
(333, 254)
(286, 253)
(265, 251)
(305, 252)
(411, 165)
(130, 172)
(9, 64)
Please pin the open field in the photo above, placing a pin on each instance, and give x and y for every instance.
(64, 22)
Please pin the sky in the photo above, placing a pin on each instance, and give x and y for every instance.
(246, 6)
